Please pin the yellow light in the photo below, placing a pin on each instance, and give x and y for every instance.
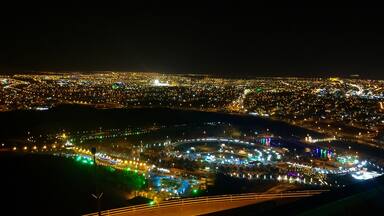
(25, 148)
(63, 136)
(14, 148)
(334, 79)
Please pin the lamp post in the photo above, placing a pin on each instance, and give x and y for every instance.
(98, 195)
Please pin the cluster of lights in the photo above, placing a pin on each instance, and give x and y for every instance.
(175, 186)
(84, 159)
(348, 159)
(82, 151)
(282, 178)
(365, 175)
(309, 139)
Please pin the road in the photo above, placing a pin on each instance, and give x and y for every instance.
(197, 209)
(203, 205)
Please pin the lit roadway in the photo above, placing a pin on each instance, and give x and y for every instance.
(203, 205)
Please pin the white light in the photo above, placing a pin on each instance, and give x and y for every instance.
(363, 175)
(157, 82)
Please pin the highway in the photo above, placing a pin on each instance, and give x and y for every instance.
(203, 205)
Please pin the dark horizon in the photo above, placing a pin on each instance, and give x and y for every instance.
(217, 40)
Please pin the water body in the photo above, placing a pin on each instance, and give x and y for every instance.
(71, 117)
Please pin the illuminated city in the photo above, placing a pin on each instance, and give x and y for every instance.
(174, 161)
(207, 109)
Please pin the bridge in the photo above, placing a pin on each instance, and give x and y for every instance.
(262, 140)
(203, 205)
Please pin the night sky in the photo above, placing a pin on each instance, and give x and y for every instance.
(215, 39)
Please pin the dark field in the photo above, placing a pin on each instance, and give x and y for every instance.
(49, 185)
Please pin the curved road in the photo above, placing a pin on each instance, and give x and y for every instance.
(203, 205)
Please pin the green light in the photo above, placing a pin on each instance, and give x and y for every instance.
(136, 171)
(115, 86)
(84, 161)
(194, 191)
(152, 203)
(128, 169)
(78, 158)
